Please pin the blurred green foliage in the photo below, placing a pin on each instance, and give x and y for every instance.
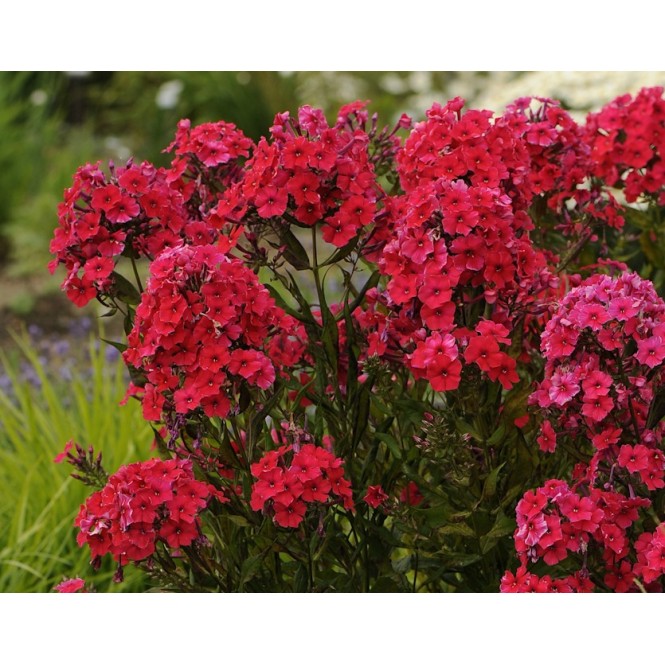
(38, 499)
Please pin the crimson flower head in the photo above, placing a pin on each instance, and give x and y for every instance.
(289, 480)
(375, 496)
(310, 174)
(141, 504)
(204, 327)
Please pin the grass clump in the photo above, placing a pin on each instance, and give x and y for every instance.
(42, 406)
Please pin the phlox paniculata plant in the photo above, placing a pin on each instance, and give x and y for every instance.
(409, 358)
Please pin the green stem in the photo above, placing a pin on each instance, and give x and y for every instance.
(136, 274)
(415, 572)
(310, 567)
(315, 271)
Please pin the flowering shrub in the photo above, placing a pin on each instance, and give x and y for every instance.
(410, 358)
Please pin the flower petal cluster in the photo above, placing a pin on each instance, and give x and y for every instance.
(204, 327)
(627, 139)
(604, 338)
(603, 373)
(458, 237)
(141, 505)
(309, 173)
(291, 478)
(139, 210)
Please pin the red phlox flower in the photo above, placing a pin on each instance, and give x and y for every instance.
(375, 496)
(71, 585)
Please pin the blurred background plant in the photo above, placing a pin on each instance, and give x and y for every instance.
(52, 390)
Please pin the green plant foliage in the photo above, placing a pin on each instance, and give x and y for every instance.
(38, 501)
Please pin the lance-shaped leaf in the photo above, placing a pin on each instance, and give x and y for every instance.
(292, 249)
(124, 290)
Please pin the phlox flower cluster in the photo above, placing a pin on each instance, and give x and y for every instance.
(603, 351)
(141, 505)
(604, 358)
(309, 173)
(555, 520)
(561, 166)
(208, 152)
(458, 237)
(138, 210)
(292, 478)
(205, 325)
(627, 139)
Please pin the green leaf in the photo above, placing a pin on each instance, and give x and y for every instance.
(249, 568)
(293, 251)
(301, 580)
(503, 526)
(116, 345)
(159, 440)
(511, 495)
(656, 410)
(436, 516)
(297, 294)
(128, 321)
(350, 346)
(277, 297)
(497, 436)
(489, 488)
(515, 403)
(402, 565)
(460, 559)
(523, 462)
(361, 415)
(124, 290)
(238, 520)
(369, 284)
(391, 444)
(330, 336)
(462, 529)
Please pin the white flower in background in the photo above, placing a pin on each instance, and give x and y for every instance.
(394, 84)
(580, 91)
(38, 97)
(169, 94)
(420, 82)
